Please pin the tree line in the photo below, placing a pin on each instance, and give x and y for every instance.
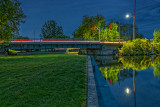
(12, 16)
(142, 46)
(95, 27)
(92, 27)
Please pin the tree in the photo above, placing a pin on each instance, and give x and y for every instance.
(11, 16)
(89, 29)
(59, 30)
(112, 33)
(61, 36)
(51, 30)
(22, 38)
(126, 31)
(156, 37)
(93, 25)
(139, 35)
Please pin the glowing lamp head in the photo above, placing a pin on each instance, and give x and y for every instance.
(127, 15)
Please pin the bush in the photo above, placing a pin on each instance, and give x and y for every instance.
(156, 48)
(156, 41)
(137, 46)
(156, 37)
(13, 52)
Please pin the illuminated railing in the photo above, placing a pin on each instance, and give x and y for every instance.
(68, 39)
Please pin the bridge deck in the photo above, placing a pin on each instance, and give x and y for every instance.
(50, 44)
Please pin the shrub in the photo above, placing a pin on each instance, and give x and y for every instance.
(156, 48)
(156, 37)
(13, 52)
(137, 46)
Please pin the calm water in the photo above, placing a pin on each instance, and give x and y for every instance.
(133, 81)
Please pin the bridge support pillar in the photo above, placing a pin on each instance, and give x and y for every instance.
(53, 50)
(82, 51)
(6, 51)
(37, 50)
(104, 50)
(28, 50)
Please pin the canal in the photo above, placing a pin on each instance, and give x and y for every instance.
(133, 81)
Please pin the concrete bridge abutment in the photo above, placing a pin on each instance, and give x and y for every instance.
(104, 50)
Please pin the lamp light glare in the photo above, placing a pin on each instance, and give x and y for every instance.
(127, 90)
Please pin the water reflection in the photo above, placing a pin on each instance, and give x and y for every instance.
(112, 68)
(136, 63)
(127, 90)
(106, 61)
(138, 77)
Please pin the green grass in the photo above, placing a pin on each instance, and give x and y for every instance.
(46, 80)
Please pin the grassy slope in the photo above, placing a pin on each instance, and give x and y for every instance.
(48, 80)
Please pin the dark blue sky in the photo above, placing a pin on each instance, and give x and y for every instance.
(69, 14)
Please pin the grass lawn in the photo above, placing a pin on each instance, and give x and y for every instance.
(46, 80)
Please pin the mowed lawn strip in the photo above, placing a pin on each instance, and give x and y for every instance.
(46, 80)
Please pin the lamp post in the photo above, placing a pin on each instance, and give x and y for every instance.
(134, 87)
(127, 16)
(119, 31)
(134, 20)
(99, 34)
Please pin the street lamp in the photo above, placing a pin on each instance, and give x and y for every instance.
(127, 16)
(134, 20)
(119, 31)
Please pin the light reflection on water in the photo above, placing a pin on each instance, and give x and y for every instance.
(134, 81)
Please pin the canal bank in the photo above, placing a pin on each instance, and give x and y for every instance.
(92, 98)
(98, 88)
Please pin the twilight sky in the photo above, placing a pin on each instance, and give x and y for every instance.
(69, 14)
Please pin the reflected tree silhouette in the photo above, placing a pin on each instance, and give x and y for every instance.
(128, 65)
(136, 62)
(110, 73)
(156, 66)
(116, 73)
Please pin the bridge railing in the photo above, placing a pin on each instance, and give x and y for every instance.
(70, 39)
